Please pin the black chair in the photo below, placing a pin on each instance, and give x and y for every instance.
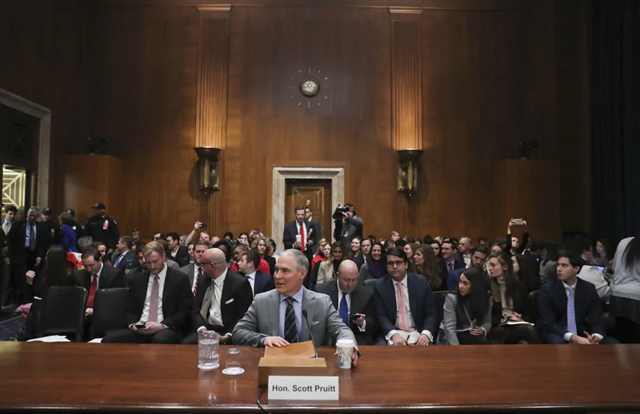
(63, 311)
(534, 300)
(438, 298)
(108, 311)
(369, 284)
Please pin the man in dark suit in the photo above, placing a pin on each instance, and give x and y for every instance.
(449, 263)
(315, 228)
(6, 223)
(223, 298)
(478, 259)
(194, 270)
(177, 253)
(300, 228)
(51, 227)
(125, 260)
(26, 242)
(259, 281)
(404, 303)
(351, 299)
(347, 227)
(570, 309)
(158, 302)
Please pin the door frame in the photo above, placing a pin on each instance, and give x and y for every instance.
(44, 140)
(282, 174)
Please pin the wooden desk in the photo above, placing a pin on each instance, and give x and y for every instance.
(151, 377)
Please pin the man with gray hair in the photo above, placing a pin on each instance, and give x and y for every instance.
(277, 318)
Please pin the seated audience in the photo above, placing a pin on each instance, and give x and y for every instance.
(464, 251)
(96, 275)
(355, 250)
(259, 245)
(329, 269)
(275, 318)
(601, 253)
(511, 319)
(171, 263)
(570, 309)
(375, 268)
(478, 260)
(194, 270)
(223, 298)
(625, 290)
(522, 271)
(409, 249)
(353, 302)
(449, 263)
(158, 302)
(467, 313)
(260, 281)
(365, 252)
(125, 259)
(321, 255)
(435, 245)
(549, 263)
(404, 304)
(176, 252)
(425, 264)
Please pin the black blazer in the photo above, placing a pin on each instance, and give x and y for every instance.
(181, 257)
(521, 305)
(291, 231)
(17, 237)
(234, 302)
(109, 278)
(263, 283)
(177, 299)
(271, 261)
(129, 261)
(421, 303)
(361, 302)
(316, 235)
(553, 309)
(457, 264)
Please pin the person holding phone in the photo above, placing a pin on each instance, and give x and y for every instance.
(353, 302)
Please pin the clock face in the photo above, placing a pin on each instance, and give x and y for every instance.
(309, 87)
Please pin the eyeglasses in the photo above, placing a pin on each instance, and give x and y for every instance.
(395, 263)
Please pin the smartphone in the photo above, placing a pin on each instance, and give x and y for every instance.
(355, 316)
(518, 222)
(140, 325)
(203, 225)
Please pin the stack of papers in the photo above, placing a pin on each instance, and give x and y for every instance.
(50, 338)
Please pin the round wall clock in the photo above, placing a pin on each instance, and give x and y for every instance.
(309, 87)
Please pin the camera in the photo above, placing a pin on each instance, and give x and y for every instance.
(338, 213)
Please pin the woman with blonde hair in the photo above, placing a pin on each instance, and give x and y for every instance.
(320, 253)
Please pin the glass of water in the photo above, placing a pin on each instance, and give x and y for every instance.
(208, 357)
(232, 364)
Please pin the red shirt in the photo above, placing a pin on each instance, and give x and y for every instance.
(264, 267)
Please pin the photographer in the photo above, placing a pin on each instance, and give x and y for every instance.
(348, 225)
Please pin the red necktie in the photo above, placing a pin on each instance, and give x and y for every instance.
(195, 288)
(92, 291)
(32, 238)
(302, 246)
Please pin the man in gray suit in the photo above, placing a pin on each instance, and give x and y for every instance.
(276, 318)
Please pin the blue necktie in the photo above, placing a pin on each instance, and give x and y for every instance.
(118, 261)
(344, 310)
(571, 313)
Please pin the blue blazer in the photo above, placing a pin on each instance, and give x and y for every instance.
(421, 303)
(263, 283)
(68, 239)
(553, 309)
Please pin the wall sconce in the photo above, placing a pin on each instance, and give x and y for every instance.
(208, 178)
(408, 171)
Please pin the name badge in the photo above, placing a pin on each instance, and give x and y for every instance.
(303, 388)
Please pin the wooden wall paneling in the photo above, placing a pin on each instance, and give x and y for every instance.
(211, 106)
(406, 112)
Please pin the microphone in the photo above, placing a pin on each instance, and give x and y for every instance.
(313, 341)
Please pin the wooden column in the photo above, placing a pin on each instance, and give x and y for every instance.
(211, 107)
(406, 97)
(406, 79)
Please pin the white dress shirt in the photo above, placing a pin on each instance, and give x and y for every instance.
(162, 276)
(98, 276)
(568, 335)
(251, 277)
(215, 315)
(348, 295)
(405, 290)
(306, 232)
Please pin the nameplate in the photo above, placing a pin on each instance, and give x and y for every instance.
(303, 388)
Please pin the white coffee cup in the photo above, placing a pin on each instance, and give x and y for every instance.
(345, 352)
(298, 239)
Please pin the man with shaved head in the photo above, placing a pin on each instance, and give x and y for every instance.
(223, 296)
(283, 316)
(354, 302)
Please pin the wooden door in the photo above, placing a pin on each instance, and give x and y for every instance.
(315, 194)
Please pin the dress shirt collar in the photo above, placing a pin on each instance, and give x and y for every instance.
(162, 275)
(297, 296)
(403, 282)
(100, 271)
(570, 287)
(219, 281)
(251, 276)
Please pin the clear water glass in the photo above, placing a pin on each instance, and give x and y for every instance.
(232, 365)
(208, 356)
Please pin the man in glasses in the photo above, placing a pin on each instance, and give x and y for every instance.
(222, 298)
(404, 303)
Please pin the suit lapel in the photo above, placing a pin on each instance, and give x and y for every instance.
(333, 294)
(413, 298)
(105, 277)
(309, 305)
(390, 298)
(273, 310)
(167, 291)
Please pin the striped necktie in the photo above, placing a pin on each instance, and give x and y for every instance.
(571, 312)
(290, 328)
